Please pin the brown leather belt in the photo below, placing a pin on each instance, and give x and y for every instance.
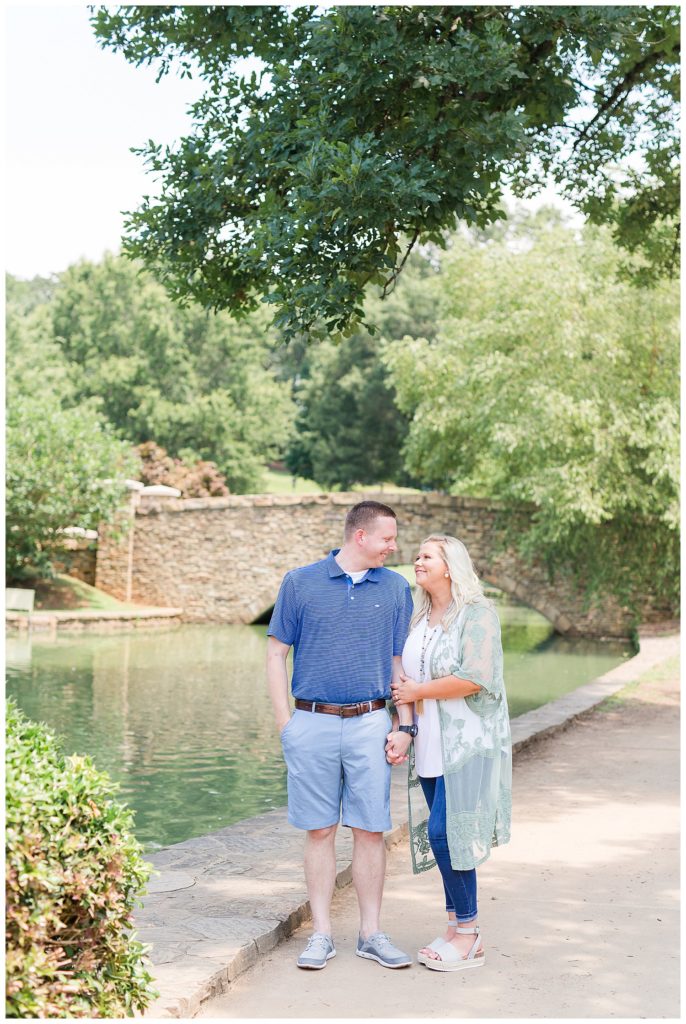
(342, 710)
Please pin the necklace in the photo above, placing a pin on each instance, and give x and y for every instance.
(426, 643)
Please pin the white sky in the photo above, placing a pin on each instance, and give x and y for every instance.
(73, 111)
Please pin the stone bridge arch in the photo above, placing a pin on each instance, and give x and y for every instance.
(222, 559)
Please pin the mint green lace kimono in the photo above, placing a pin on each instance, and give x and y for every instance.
(476, 745)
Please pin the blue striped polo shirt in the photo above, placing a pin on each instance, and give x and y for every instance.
(344, 635)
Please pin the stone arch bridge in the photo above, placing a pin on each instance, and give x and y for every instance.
(222, 559)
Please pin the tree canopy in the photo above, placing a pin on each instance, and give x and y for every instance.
(552, 384)
(354, 133)
(349, 429)
(199, 384)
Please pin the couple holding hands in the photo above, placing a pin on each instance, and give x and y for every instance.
(358, 640)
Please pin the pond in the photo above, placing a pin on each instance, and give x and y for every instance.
(181, 718)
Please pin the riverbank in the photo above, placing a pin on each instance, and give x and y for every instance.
(67, 604)
(93, 619)
(223, 901)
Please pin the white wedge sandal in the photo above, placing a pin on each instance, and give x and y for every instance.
(436, 945)
(451, 959)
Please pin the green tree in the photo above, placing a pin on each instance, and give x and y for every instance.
(34, 363)
(365, 130)
(199, 384)
(64, 468)
(23, 296)
(349, 429)
(553, 383)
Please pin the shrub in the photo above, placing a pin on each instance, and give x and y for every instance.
(74, 874)
(195, 479)
(65, 467)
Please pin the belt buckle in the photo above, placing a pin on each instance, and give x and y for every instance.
(341, 710)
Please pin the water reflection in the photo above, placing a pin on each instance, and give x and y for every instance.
(182, 719)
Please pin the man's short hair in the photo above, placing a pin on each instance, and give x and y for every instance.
(362, 515)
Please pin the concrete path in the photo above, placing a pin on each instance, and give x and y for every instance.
(579, 913)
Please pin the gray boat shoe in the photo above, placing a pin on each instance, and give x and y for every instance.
(318, 950)
(380, 948)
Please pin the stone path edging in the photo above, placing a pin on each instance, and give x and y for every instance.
(85, 618)
(560, 713)
(222, 900)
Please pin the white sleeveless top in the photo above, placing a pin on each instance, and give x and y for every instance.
(427, 744)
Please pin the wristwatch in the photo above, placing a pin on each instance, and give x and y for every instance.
(411, 729)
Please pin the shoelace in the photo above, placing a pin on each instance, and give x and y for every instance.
(315, 940)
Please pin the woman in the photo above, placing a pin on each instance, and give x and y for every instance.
(462, 754)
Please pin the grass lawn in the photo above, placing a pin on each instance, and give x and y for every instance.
(64, 593)
(281, 482)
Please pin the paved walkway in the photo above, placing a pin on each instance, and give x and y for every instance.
(579, 913)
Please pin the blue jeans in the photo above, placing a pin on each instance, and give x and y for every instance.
(460, 886)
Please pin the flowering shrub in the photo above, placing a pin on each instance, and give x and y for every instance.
(197, 479)
(74, 874)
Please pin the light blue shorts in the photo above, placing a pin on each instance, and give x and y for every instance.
(338, 764)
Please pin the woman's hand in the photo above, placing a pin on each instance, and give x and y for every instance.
(405, 690)
(397, 745)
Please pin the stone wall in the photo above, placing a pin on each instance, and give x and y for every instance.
(78, 559)
(222, 559)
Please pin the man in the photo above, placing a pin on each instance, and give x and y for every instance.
(346, 618)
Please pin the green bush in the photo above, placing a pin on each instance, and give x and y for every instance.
(74, 875)
(65, 468)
